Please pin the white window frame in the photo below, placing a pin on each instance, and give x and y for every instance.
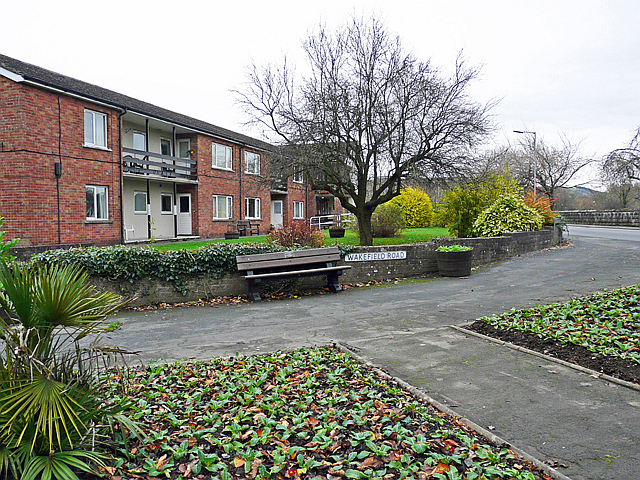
(140, 212)
(97, 189)
(169, 142)
(298, 177)
(170, 211)
(298, 206)
(179, 143)
(217, 148)
(252, 163)
(90, 137)
(228, 200)
(143, 138)
(247, 201)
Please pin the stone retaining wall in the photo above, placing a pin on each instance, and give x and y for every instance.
(604, 218)
(420, 260)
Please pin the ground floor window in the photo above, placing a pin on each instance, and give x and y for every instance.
(166, 203)
(97, 202)
(140, 202)
(222, 207)
(298, 210)
(252, 208)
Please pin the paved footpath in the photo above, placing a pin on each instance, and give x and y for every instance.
(554, 413)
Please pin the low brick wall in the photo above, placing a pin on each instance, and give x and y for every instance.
(420, 260)
(604, 217)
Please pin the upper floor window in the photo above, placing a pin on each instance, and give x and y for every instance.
(222, 156)
(97, 202)
(165, 147)
(252, 163)
(140, 141)
(297, 176)
(184, 148)
(95, 129)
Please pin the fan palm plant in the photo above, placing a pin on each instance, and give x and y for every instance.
(50, 406)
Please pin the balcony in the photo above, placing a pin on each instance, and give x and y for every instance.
(138, 162)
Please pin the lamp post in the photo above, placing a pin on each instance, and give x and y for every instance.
(535, 160)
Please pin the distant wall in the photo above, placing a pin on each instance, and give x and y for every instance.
(420, 260)
(605, 218)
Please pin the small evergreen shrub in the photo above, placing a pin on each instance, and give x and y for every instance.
(542, 205)
(462, 205)
(507, 214)
(298, 234)
(416, 206)
(387, 221)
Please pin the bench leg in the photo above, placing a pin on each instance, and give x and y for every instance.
(332, 282)
(254, 292)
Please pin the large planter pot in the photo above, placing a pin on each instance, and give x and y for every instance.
(231, 235)
(336, 232)
(454, 264)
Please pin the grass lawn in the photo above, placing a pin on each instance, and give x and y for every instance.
(308, 414)
(410, 235)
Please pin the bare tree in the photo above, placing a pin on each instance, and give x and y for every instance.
(365, 116)
(557, 167)
(621, 170)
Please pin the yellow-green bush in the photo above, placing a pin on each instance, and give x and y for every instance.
(416, 206)
(507, 214)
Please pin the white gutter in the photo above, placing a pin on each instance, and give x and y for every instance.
(11, 76)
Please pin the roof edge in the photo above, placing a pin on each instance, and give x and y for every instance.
(11, 76)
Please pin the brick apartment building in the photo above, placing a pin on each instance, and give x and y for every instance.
(83, 164)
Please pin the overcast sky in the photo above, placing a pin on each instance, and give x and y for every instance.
(559, 67)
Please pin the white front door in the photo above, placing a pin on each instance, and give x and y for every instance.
(184, 214)
(276, 213)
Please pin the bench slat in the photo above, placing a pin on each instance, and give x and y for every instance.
(295, 257)
(297, 272)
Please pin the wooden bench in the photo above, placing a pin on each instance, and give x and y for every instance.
(245, 227)
(291, 264)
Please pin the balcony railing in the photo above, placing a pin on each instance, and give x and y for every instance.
(140, 162)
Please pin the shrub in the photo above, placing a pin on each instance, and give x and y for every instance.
(298, 234)
(507, 214)
(462, 205)
(387, 221)
(416, 206)
(542, 205)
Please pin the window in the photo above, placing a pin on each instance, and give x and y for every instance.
(252, 163)
(252, 208)
(184, 148)
(140, 202)
(298, 209)
(95, 129)
(166, 203)
(222, 156)
(222, 207)
(165, 147)
(297, 176)
(140, 141)
(97, 202)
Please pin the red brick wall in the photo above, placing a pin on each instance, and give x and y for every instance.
(32, 127)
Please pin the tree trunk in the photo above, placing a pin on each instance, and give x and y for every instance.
(364, 228)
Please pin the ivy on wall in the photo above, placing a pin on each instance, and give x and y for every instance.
(174, 266)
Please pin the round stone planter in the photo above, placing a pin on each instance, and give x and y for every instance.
(336, 232)
(454, 264)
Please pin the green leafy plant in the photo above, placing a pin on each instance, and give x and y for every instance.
(387, 221)
(462, 205)
(51, 408)
(453, 248)
(298, 234)
(5, 246)
(507, 214)
(416, 206)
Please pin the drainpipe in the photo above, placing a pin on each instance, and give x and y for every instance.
(121, 196)
(57, 169)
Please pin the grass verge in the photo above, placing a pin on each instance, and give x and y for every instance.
(410, 235)
(308, 414)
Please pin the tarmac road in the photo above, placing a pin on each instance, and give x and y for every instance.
(552, 412)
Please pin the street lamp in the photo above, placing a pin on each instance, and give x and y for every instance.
(535, 160)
